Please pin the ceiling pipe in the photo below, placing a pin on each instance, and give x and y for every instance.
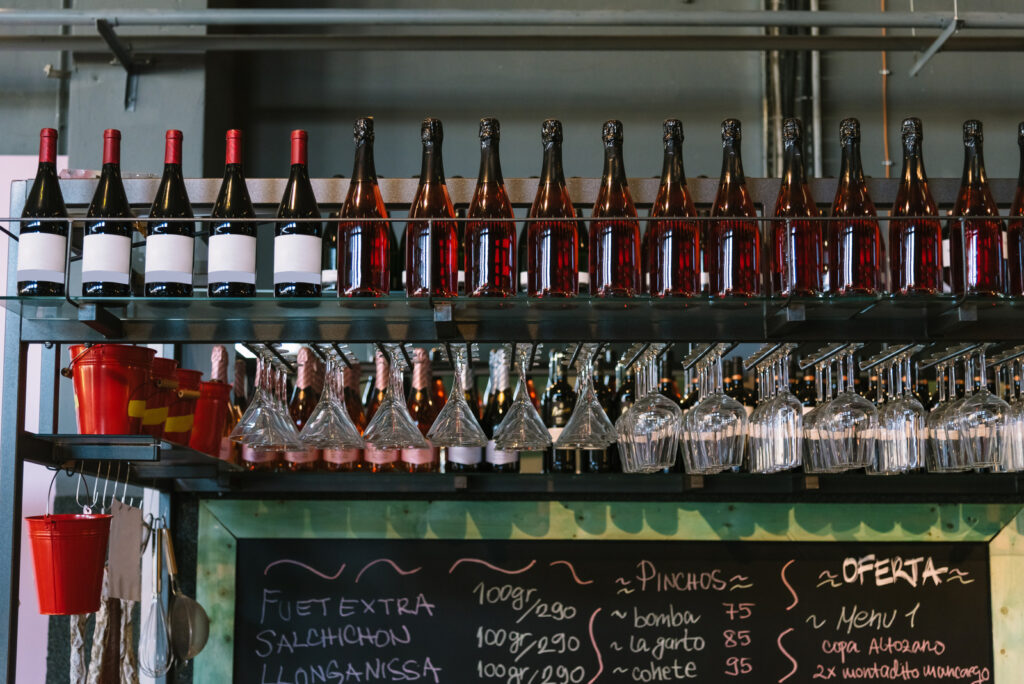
(193, 44)
(560, 18)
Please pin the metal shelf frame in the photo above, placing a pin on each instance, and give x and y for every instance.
(170, 468)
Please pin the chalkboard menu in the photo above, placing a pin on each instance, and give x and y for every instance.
(576, 612)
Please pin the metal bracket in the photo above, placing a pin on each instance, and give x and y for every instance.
(102, 320)
(952, 27)
(123, 55)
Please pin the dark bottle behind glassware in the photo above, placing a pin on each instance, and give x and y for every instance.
(557, 404)
(364, 248)
(169, 245)
(855, 244)
(553, 249)
(976, 242)
(298, 246)
(1015, 229)
(232, 257)
(431, 252)
(423, 411)
(797, 267)
(734, 241)
(602, 460)
(614, 260)
(672, 246)
(42, 245)
(915, 244)
(490, 245)
(300, 407)
(107, 247)
(498, 405)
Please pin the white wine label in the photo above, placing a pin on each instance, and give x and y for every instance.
(585, 278)
(945, 254)
(106, 259)
(232, 259)
(297, 259)
(465, 455)
(169, 259)
(329, 276)
(41, 257)
(1006, 245)
(498, 457)
(523, 283)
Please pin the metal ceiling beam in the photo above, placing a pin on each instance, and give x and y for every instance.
(561, 18)
(195, 44)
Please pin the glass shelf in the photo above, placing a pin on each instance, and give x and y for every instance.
(325, 319)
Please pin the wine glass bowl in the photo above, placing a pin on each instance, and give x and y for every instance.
(589, 426)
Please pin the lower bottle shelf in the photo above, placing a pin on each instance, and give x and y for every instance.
(172, 467)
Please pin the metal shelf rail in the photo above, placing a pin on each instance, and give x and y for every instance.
(56, 322)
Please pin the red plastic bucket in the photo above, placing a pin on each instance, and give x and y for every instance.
(160, 396)
(211, 415)
(181, 412)
(110, 382)
(69, 552)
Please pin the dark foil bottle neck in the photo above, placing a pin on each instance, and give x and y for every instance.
(490, 163)
(974, 164)
(364, 168)
(850, 168)
(111, 169)
(793, 163)
(551, 171)
(732, 164)
(913, 162)
(614, 168)
(672, 165)
(432, 170)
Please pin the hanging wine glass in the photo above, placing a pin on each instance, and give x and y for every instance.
(649, 430)
(329, 425)
(1012, 458)
(522, 428)
(818, 457)
(849, 424)
(456, 425)
(718, 425)
(777, 424)
(392, 427)
(901, 426)
(942, 457)
(589, 426)
(266, 425)
(981, 419)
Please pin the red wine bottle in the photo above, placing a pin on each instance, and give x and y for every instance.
(298, 246)
(797, 249)
(614, 244)
(734, 241)
(232, 270)
(975, 244)
(490, 245)
(431, 248)
(169, 245)
(107, 247)
(673, 243)
(364, 248)
(551, 246)
(855, 244)
(42, 245)
(915, 244)
(1015, 230)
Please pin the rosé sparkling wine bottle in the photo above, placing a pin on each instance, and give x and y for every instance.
(552, 247)
(855, 243)
(915, 243)
(431, 248)
(364, 247)
(490, 245)
(734, 240)
(975, 243)
(797, 247)
(672, 243)
(614, 238)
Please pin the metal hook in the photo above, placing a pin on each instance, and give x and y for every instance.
(81, 479)
(106, 483)
(96, 487)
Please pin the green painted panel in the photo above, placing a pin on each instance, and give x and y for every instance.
(615, 520)
(215, 590)
(1006, 562)
(223, 521)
